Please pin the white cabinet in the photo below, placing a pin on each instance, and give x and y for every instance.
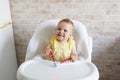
(8, 63)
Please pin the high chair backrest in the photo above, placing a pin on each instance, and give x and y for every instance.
(46, 30)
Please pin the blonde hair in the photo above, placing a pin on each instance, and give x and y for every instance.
(67, 21)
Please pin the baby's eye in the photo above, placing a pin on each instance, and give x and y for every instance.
(58, 29)
(65, 30)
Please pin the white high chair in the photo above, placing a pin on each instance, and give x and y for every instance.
(35, 68)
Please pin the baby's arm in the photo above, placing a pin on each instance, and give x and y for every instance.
(74, 54)
(46, 50)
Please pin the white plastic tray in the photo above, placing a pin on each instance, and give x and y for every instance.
(45, 70)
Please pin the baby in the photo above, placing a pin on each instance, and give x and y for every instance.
(62, 43)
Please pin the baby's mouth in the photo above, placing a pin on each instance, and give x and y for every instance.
(60, 35)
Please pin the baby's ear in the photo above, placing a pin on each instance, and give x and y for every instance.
(70, 35)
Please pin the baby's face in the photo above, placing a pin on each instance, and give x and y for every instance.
(63, 31)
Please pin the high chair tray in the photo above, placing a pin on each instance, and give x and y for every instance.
(45, 70)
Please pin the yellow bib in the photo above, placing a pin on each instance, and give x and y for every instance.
(61, 51)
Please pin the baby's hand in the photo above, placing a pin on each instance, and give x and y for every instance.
(46, 50)
(74, 57)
